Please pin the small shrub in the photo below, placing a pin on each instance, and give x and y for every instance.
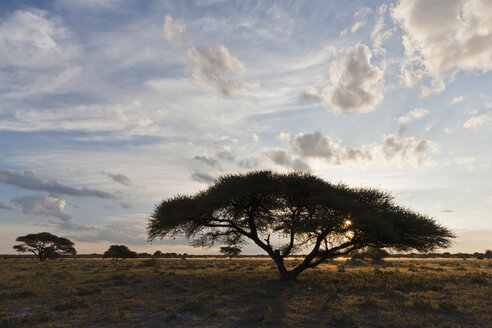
(73, 304)
(151, 263)
(421, 304)
(88, 291)
(18, 294)
(30, 320)
(192, 306)
(448, 307)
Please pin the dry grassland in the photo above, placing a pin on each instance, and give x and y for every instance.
(244, 293)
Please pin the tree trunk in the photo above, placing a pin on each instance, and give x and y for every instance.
(285, 275)
(288, 275)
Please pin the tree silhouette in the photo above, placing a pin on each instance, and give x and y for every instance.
(45, 245)
(117, 252)
(287, 213)
(230, 251)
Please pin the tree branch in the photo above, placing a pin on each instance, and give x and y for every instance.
(291, 244)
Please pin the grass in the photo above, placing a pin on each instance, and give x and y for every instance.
(244, 293)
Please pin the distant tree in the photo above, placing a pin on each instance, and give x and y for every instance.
(144, 255)
(157, 254)
(373, 253)
(117, 252)
(488, 254)
(479, 255)
(285, 213)
(230, 251)
(45, 245)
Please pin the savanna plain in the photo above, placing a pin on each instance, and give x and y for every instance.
(244, 292)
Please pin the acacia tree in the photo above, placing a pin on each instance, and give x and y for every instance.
(230, 251)
(285, 213)
(119, 252)
(45, 245)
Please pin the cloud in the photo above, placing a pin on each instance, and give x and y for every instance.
(174, 29)
(37, 55)
(355, 83)
(362, 12)
(357, 25)
(464, 160)
(121, 233)
(212, 162)
(255, 137)
(404, 149)
(462, 40)
(215, 68)
(413, 115)
(126, 205)
(282, 158)
(87, 118)
(120, 178)
(5, 207)
(317, 145)
(248, 163)
(202, 177)
(283, 136)
(43, 205)
(378, 34)
(476, 122)
(32, 38)
(30, 180)
(447, 211)
(457, 100)
(224, 153)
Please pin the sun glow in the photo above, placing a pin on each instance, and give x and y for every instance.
(348, 223)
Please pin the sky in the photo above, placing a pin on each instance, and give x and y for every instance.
(108, 107)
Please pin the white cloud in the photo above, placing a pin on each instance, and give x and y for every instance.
(457, 100)
(32, 38)
(460, 40)
(467, 161)
(255, 137)
(282, 158)
(476, 122)
(393, 149)
(283, 136)
(224, 153)
(355, 83)
(413, 115)
(88, 118)
(213, 66)
(217, 69)
(174, 29)
(43, 205)
(404, 150)
(120, 232)
(317, 145)
(378, 34)
(38, 53)
(464, 160)
(362, 12)
(357, 25)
